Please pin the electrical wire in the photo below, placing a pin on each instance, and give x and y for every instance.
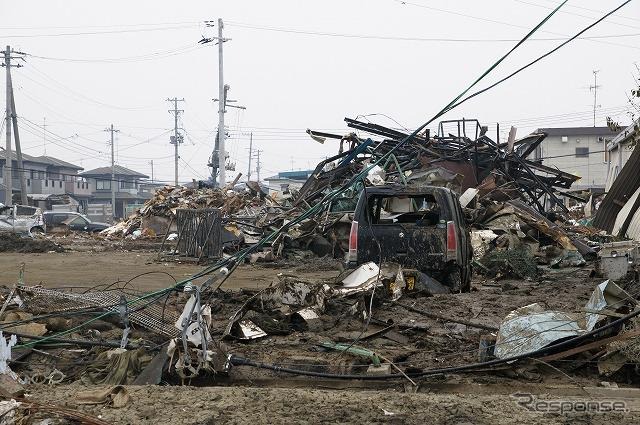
(106, 32)
(409, 38)
(588, 27)
(495, 21)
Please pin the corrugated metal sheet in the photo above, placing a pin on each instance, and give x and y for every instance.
(624, 213)
(633, 231)
(622, 189)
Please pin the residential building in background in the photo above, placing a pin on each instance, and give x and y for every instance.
(130, 187)
(46, 177)
(286, 180)
(577, 150)
(619, 150)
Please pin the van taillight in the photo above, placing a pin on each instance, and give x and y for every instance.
(353, 242)
(452, 240)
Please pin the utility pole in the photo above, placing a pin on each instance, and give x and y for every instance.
(218, 156)
(221, 107)
(151, 163)
(10, 116)
(16, 136)
(250, 155)
(7, 153)
(113, 173)
(595, 88)
(177, 138)
(258, 163)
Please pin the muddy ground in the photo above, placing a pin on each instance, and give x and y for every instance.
(250, 395)
(472, 404)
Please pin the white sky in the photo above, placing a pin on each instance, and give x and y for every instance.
(132, 55)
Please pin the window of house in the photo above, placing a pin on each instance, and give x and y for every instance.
(582, 152)
(33, 173)
(60, 183)
(28, 182)
(565, 139)
(124, 184)
(78, 184)
(103, 184)
(46, 183)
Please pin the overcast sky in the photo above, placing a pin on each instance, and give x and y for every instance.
(298, 65)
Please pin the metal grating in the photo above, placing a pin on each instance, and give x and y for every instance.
(41, 300)
(199, 232)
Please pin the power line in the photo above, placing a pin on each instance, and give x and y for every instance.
(127, 59)
(566, 12)
(494, 21)
(107, 32)
(82, 96)
(409, 38)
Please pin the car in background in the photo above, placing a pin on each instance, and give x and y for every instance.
(21, 219)
(62, 221)
(420, 228)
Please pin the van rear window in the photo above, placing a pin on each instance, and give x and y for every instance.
(422, 210)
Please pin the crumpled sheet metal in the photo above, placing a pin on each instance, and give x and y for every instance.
(606, 294)
(530, 328)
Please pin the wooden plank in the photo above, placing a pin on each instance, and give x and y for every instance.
(591, 346)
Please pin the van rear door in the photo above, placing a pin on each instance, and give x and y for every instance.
(411, 230)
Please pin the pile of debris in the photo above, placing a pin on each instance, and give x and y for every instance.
(503, 191)
(161, 209)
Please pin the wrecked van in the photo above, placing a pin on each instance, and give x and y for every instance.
(420, 228)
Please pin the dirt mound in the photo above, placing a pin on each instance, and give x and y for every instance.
(12, 242)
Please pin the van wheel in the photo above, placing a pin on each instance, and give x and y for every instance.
(459, 280)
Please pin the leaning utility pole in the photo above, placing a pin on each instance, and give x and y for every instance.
(151, 163)
(595, 88)
(250, 154)
(176, 139)
(11, 118)
(16, 136)
(113, 173)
